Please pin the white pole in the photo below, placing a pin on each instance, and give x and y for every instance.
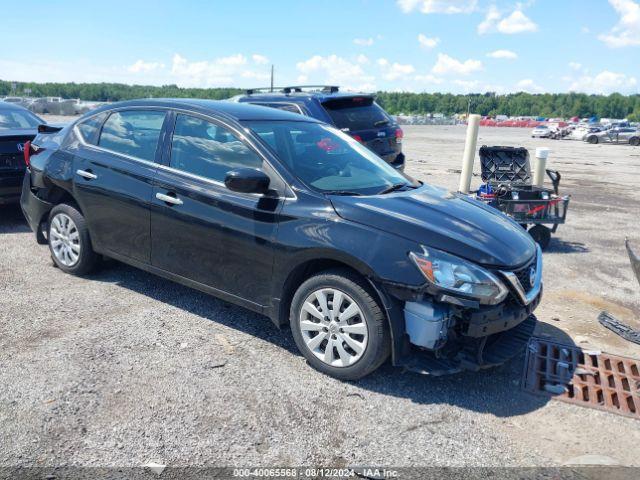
(469, 153)
(541, 165)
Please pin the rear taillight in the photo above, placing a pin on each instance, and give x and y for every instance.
(399, 135)
(357, 138)
(27, 153)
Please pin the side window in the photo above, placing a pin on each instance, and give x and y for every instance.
(208, 150)
(90, 128)
(287, 107)
(134, 133)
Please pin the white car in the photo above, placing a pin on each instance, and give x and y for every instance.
(541, 131)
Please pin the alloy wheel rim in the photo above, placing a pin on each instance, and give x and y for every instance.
(333, 327)
(65, 240)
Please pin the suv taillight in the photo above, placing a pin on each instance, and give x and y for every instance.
(357, 138)
(399, 135)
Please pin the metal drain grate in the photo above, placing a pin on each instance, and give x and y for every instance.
(592, 379)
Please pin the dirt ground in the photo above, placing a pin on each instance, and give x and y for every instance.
(123, 368)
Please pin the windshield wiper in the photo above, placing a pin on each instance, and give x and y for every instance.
(394, 187)
(344, 193)
(380, 122)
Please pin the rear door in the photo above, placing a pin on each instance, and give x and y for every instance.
(202, 231)
(113, 179)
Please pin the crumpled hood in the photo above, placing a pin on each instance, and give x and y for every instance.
(436, 218)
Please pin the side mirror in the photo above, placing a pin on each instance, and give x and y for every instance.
(247, 180)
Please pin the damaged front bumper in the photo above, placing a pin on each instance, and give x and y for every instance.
(440, 334)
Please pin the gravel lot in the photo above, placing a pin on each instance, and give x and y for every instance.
(123, 368)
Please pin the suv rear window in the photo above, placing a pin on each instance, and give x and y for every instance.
(356, 113)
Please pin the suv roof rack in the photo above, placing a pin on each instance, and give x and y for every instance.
(294, 89)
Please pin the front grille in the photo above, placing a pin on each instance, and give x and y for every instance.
(523, 277)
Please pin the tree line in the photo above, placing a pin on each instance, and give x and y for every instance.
(563, 105)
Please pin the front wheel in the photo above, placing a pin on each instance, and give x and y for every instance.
(541, 234)
(69, 241)
(592, 140)
(634, 141)
(339, 326)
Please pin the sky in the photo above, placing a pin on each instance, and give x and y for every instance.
(457, 46)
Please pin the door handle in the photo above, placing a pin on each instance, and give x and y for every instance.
(86, 174)
(168, 199)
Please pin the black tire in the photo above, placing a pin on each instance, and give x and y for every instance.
(592, 139)
(541, 234)
(87, 258)
(634, 141)
(379, 339)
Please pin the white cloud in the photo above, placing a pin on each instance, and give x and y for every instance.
(575, 65)
(362, 59)
(585, 30)
(516, 22)
(145, 67)
(428, 78)
(528, 85)
(259, 59)
(626, 32)
(218, 72)
(394, 71)
(448, 65)
(605, 82)
(438, 6)
(336, 70)
(363, 42)
(427, 42)
(506, 54)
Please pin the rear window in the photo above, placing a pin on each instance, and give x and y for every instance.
(18, 119)
(90, 128)
(356, 113)
(134, 133)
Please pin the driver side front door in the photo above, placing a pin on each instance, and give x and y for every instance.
(201, 230)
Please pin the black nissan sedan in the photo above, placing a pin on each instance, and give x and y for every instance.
(17, 126)
(292, 218)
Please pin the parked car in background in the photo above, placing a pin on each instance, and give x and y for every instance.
(17, 126)
(541, 131)
(292, 218)
(628, 135)
(356, 114)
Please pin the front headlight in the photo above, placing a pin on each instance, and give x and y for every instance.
(457, 276)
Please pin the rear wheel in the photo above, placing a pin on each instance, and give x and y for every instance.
(338, 325)
(634, 141)
(592, 139)
(69, 240)
(541, 234)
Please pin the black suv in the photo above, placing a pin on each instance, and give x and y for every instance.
(291, 218)
(356, 114)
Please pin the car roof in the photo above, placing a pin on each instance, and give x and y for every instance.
(12, 106)
(321, 96)
(233, 110)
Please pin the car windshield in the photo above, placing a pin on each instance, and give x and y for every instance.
(10, 119)
(327, 159)
(356, 113)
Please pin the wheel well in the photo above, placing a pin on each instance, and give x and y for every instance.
(59, 195)
(306, 270)
(55, 196)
